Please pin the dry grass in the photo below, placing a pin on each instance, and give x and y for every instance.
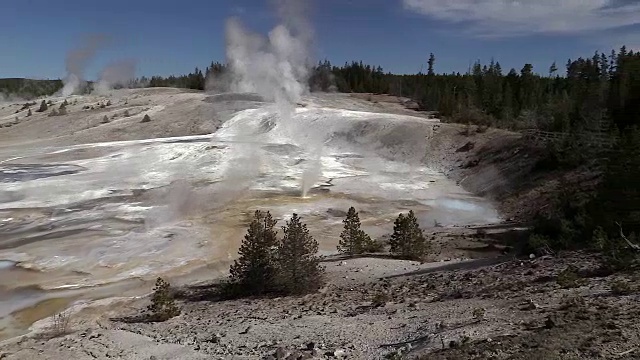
(60, 324)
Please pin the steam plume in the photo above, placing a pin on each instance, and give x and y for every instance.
(116, 74)
(277, 67)
(77, 61)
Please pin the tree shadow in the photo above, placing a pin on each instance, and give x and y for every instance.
(465, 265)
(213, 292)
(135, 319)
(338, 258)
(141, 318)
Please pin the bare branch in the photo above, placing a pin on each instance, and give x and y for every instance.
(626, 352)
(631, 245)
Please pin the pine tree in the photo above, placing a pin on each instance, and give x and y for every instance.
(253, 273)
(619, 193)
(353, 240)
(407, 240)
(553, 69)
(162, 306)
(299, 269)
(431, 63)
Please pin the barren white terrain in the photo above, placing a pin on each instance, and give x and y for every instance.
(95, 204)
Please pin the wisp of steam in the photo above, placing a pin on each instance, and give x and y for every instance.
(117, 73)
(277, 67)
(77, 61)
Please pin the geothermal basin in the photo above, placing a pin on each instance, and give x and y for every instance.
(88, 220)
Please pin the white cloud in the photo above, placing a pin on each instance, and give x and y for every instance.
(521, 17)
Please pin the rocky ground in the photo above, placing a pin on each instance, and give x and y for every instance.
(514, 309)
(560, 307)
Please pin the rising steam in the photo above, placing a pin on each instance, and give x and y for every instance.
(77, 61)
(277, 67)
(116, 74)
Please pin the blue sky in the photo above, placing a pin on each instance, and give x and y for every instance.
(169, 36)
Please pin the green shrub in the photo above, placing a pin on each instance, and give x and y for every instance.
(353, 240)
(407, 240)
(573, 301)
(163, 305)
(298, 267)
(373, 246)
(380, 299)
(254, 272)
(478, 314)
(616, 253)
(621, 287)
(569, 278)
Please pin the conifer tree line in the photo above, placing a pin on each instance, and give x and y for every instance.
(28, 88)
(603, 87)
(579, 95)
(290, 265)
(196, 80)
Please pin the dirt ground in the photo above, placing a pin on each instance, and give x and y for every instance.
(374, 308)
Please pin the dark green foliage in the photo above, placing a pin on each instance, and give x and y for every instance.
(617, 255)
(520, 99)
(28, 88)
(162, 306)
(567, 225)
(373, 246)
(380, 299)
(618, 199)
(196, 80)
(431, 62)
(298, 267)
(407, 240)
(621, 287)
(254, 272)
(353, 240)
(568, 278)
(596, 218)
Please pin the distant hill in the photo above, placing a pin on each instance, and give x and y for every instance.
(28, 88)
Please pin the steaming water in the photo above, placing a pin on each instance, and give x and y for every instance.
(136, 209)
